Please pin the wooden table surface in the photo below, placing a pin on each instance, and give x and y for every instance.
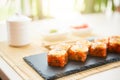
(14, 57)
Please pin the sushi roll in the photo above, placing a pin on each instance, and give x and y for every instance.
(114, 44)
(63, 46)
(103, 40)
(78, 52)
(84, 42)
(98, 49)
(57, 58)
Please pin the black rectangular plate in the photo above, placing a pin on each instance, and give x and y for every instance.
(39, 64)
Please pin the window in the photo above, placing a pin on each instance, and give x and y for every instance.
(38, 9)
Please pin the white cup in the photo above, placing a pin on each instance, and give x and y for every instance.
(18, 30)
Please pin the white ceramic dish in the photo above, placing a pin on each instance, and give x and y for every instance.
(56, 35)
(81, 31)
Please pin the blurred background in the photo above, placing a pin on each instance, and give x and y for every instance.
(40, 9)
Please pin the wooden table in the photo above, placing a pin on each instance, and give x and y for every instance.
(14, 58)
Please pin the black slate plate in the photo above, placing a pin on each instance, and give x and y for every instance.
(39, 63)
